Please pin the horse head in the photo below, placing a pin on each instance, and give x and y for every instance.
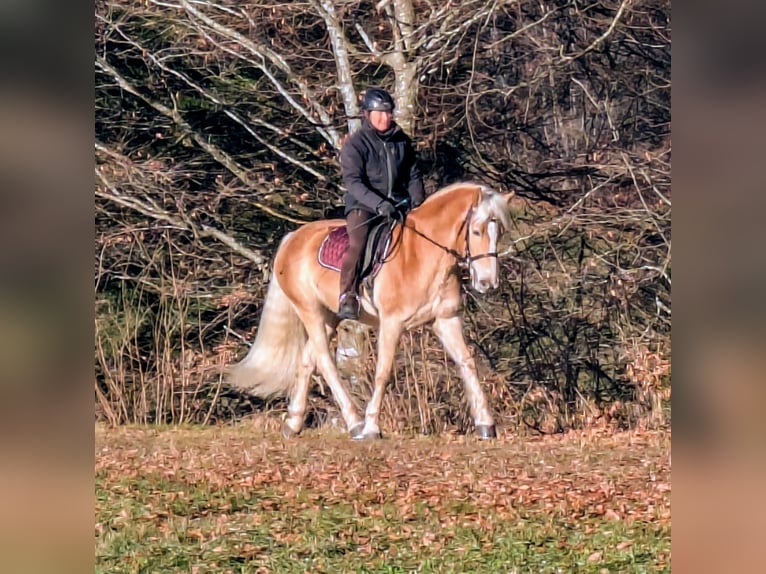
(485, 224)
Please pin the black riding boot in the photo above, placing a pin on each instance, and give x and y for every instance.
(349, 306)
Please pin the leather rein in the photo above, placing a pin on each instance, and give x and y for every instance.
(466, 258)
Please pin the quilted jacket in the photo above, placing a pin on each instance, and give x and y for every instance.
(378, 167)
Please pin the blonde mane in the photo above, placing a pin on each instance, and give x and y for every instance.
(492, 205)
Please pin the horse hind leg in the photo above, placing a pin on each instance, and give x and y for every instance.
(296, 411)
(317, 327)
(450, 332)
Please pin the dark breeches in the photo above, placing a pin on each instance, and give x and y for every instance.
(358, 226)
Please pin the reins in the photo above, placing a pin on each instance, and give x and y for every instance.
(376, 216)
(465, 259)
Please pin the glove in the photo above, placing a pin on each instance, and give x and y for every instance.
(386, 208)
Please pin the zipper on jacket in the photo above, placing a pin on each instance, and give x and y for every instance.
(387, 146)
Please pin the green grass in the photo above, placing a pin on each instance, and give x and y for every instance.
(225, 500)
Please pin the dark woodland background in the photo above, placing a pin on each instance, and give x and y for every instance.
(217, 131)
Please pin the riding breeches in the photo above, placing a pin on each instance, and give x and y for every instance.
(357, 226)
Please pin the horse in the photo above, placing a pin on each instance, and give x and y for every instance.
(419, 283)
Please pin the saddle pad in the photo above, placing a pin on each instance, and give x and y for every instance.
(335, 245)
(333, 248)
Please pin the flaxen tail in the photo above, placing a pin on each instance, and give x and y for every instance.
(271, 366)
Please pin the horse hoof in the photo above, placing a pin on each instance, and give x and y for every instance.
(356, 431)
(485, 432)
(288, 432)
(375, 435)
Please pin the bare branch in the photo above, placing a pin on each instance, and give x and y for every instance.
(184, 224)
(280, 63)
(222, 157)
(340, 49)
(598, 40)
(231, 113)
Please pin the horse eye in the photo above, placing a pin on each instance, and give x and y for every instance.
(476, 232)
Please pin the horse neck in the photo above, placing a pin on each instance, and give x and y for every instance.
(442, 220)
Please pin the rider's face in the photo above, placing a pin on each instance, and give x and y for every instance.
(381, 121)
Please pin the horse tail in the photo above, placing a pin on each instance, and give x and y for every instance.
(271, 366)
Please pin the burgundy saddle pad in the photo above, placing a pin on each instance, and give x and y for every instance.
(333, 248)
(335, 244)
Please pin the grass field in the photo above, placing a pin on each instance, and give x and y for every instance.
(241, 499)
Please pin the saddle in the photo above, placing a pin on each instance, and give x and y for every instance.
(335, 245)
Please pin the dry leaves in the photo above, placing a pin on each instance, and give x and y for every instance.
(621, 477)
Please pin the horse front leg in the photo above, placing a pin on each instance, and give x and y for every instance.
(388, 339)
(450, 333)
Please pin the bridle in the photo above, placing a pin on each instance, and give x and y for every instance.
(466, 260)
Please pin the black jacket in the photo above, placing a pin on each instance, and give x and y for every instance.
(378, 167)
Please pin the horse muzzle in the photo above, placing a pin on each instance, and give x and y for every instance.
(484, 285)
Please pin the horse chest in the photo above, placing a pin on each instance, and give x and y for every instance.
(444, 304)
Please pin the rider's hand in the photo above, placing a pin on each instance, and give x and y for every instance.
(386, 208)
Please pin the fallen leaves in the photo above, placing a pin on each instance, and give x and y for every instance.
(401, 472)
(222, 475)
(595, 557)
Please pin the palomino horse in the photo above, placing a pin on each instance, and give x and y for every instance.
(419, 283)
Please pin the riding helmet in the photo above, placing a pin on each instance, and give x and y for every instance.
(377, 99)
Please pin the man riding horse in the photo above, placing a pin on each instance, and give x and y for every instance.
(381, 177)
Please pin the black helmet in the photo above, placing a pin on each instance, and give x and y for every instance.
(377, 99)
